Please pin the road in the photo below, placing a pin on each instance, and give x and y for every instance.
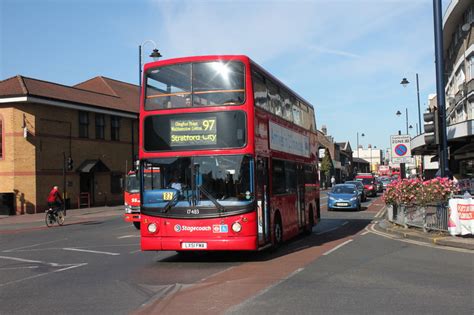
(95, 266)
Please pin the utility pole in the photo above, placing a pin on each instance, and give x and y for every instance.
(443, 141)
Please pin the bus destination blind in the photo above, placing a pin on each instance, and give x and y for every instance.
(188, 132)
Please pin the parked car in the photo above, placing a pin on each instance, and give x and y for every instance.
(369, 183)
(344, 196)
(360, 188)
(385, 180)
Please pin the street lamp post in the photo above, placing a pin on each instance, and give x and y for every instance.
(405, 83)
(155, 54)
(362, 135)
(398, 113)
(402, 165)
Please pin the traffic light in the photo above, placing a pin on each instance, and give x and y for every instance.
(431, 126)
(69, 164)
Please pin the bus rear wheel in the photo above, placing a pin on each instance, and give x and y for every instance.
(136, 225)
(277, 232)
(309, 227)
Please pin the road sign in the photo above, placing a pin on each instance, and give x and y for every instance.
(401, 149)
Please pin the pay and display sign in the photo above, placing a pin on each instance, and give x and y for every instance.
(401, 149)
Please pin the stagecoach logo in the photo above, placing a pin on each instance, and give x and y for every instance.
(179, 228)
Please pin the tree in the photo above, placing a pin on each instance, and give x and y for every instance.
(326, 166)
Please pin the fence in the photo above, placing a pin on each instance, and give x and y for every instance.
(428, 217)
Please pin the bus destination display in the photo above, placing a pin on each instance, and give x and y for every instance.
(188, 132)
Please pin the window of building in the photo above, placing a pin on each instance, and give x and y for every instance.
(116, 183)
(1, 138)
(99, 126)
(83, 124)
(115, 128)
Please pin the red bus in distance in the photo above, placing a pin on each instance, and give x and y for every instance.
(131, 194)
(131, 197)
(237, 154)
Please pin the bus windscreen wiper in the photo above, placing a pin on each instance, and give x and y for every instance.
(170, 203)
(212, 199)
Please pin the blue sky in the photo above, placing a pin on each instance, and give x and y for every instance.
(346, 57)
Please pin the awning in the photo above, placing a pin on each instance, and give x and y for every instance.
(92, 166)
(468, 148)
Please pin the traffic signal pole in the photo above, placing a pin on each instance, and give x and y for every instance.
(64, 181)
(443, 141)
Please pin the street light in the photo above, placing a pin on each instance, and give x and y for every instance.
(155, 55)
(405, 83)
(398, 113)
(362, 135)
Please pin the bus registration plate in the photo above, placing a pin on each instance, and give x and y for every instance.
(194, 245)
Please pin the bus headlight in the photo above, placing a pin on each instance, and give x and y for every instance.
(128, 209)
(152, 227)
(236, 227)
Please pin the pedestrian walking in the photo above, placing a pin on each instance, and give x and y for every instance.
(333, 181)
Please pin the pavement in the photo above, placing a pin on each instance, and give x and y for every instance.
(27, 221)
(73, 216)
(430, 237)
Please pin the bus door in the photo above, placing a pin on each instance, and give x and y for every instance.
(263, 198)
(300, 192)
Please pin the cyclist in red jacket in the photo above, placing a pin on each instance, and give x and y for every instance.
(54, 199)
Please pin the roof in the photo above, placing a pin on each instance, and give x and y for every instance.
(92, 166)
(98, 92)
(359, 160)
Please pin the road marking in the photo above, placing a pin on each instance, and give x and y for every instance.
(15, 268)
(344, 223)
(90, 251)
(380, 213)
(337, 247)
(365, 233)
(23, 247)
(29, 261)
(128, 236)
(66, 267)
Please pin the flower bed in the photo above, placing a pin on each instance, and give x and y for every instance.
(409, 198)
(418, 192)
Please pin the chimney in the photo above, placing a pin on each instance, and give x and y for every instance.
(324, 130)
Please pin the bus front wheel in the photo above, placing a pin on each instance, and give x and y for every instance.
(136, 225)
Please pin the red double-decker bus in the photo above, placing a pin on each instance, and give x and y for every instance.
(131, 197)
(236, 151)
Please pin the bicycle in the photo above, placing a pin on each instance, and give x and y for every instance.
(54, 215)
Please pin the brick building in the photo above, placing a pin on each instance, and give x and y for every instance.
(42, 124)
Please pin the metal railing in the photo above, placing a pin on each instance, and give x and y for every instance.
(428, 217)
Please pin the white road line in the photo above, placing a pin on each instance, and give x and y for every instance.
(29, 261)
(90, 251)
(128, 236)
(15, 268)
(337, 247)
(365, 233)
(67, 267)
(23, 247)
